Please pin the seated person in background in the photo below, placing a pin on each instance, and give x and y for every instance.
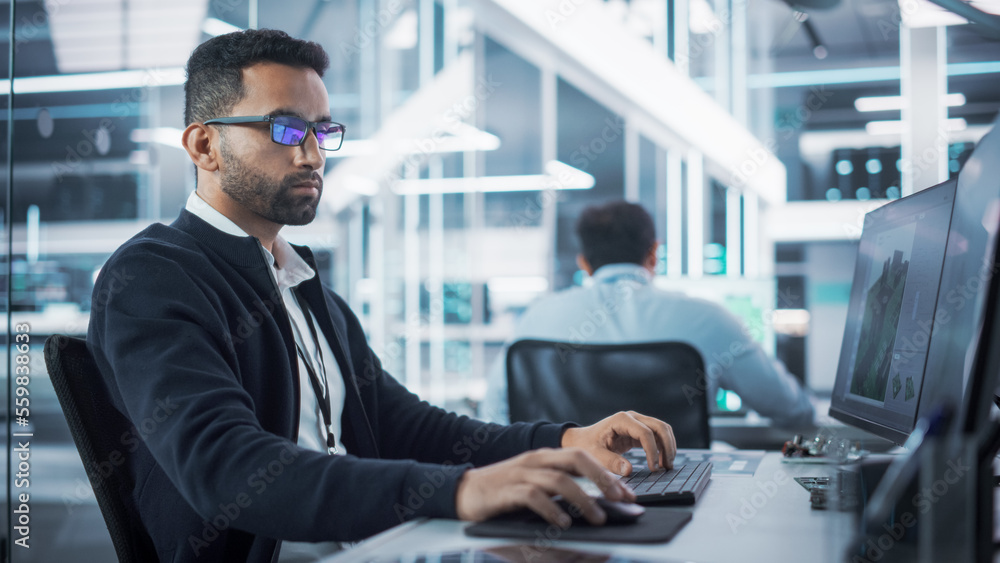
(276, 426)
(618, 242)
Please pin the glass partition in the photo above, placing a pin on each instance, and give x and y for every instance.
(95, 124)
(437, 273)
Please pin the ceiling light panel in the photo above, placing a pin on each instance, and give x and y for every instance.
(102, 35)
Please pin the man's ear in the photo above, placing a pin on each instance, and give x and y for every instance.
(650, 262)
(583, 264)
(197, 140)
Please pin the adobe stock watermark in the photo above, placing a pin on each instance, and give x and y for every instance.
(720, 361)
(788, 124)
(250, 322)
(613, 130)
(853, 230)
(597, 318)
(889, 27)
(434, 479)
(751, 506)
(37, 26)
(791, 122)
(876, 548)
(366, 33)
(698, 43)
(927, 159)
(97, 141)
(229, 512)
(535, 206)
(544, 540)
(756, 159)
(395, 349)
(114, 282)
(456, 115)
(955, 300)
(563, 11)
(916, 167)
(129, 442)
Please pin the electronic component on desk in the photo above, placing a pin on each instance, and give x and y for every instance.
(821, 450)
(838, 492)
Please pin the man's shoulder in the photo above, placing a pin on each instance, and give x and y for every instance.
(559, 300)
(681, 299)
(643, 295)
(710, 313)
(157, 250)
(157, 240)
(646, 305)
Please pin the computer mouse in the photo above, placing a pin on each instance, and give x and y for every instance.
(617, 512)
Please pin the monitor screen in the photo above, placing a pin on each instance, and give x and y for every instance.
(891, 314)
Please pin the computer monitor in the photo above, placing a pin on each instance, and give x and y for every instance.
(968, 266)
(891, 314)
(961, 376)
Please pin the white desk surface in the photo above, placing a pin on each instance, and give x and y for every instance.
(735, 520)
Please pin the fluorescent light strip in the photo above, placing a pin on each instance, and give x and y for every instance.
(175, 75)
(965, 69)
(96, 81)
(896, 127)
(485, 184)
(558, 176)
(895, 103)
(82, 111)
(853, 75)
(166, 136)
(474, 140)
(813, 77)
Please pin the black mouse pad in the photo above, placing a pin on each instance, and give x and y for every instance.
(657, 525)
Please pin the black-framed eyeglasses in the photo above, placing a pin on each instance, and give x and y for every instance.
(291, 131)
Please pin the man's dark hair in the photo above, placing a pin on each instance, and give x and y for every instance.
(615, 233)
(215, 70)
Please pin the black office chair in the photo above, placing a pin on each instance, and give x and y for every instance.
(96, 426)
(584, 383)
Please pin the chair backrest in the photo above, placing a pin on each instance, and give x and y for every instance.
(584, 383)
(97, 427)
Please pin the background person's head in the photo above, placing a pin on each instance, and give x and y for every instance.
(255, 181)
(615, 233)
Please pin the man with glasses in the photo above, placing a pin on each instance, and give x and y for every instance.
(280, 424)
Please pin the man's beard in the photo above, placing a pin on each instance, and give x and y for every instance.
(258, 194)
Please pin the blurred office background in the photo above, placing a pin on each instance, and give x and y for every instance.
(757, 132)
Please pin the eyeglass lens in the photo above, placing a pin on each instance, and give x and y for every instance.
(288, 130)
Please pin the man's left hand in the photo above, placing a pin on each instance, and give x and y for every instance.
(615, 435)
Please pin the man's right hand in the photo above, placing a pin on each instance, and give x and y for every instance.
(530, 480)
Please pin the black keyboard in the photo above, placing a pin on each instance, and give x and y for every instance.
(681, 485)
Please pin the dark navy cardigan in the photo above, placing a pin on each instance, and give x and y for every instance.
(195, 347)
